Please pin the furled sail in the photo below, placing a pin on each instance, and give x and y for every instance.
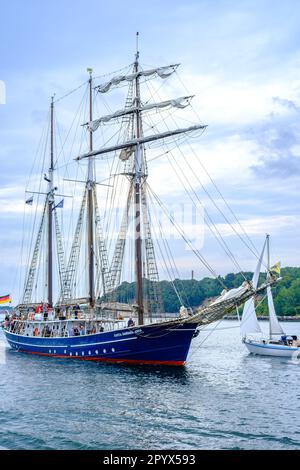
(275, 327)
(226, 303)
(116, 306)
(162, 72)
(125, 154)
(142, 140)
(181, 102)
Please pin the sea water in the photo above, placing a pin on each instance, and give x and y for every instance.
(223, 398)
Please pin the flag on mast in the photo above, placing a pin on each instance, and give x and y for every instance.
(276, 268)
(4, 299)
(60, 205)
(29, 201)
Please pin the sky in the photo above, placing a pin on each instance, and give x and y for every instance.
(241, 60)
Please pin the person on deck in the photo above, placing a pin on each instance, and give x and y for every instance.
(130, 322)
(76, 310)
(45, 311)
(82, 330)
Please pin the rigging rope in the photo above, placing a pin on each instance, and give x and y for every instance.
(181, 232)
(221, 239)
(210, 197)
(256, 253)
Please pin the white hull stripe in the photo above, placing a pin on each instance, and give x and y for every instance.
(181, 329)
(87, 345)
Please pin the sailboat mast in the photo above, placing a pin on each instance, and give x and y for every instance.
(269, 292)
(50, 207)
(137, 198)
(90, 203)
(268, 251)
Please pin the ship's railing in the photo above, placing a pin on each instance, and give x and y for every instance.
(63, 328)
(68, 327)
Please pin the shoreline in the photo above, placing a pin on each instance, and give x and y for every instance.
(265, 318)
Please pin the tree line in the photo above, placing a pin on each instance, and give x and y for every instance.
(193, 292)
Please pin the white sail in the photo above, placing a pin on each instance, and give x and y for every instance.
(162, 72)
(275, 327)
(249, 323)
(181, 102)
(258, 267)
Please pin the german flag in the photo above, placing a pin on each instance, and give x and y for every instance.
(5, 299)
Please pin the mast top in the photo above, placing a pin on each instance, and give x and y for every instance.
(89, 71)
(137, 46)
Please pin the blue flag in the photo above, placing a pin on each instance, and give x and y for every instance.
(60, 205)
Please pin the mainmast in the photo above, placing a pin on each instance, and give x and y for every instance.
(90, 204)
(137, 197)
(138, 173)
(50, 207)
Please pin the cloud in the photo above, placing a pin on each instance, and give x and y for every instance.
(286, 103)
(277, 139)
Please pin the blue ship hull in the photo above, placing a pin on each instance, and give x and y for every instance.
(166, 344)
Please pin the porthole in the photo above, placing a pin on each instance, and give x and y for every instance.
(90, 353)
(65, 351)
(96, 352)
(70, 354)
(104, 350)
(54, 351)
(76, 353)
(50, 351)
(82, 353)
(112, 349)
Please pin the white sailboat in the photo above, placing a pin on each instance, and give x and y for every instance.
(278, 343)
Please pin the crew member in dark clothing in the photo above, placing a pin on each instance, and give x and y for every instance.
(130, 322)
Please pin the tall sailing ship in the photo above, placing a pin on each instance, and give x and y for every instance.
(97, 326)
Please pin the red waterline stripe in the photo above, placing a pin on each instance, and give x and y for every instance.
(127, 361)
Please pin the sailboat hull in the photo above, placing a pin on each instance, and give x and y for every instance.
(267, 349)
(164, 344)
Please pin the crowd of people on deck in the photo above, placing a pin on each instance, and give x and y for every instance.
(54, 329)
(17, 321)
(45, 311)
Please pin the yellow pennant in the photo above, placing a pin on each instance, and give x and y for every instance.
(276, 268)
